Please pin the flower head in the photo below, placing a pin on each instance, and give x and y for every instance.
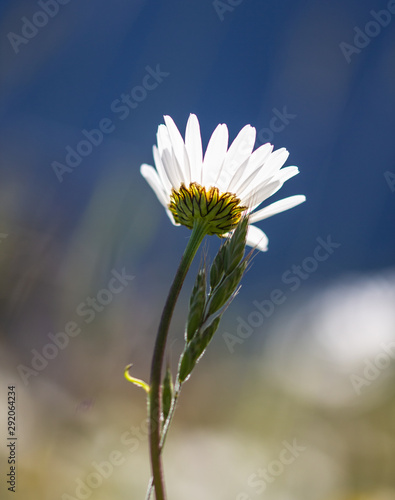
(221, 186)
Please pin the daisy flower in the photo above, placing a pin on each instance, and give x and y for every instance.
(221, 186)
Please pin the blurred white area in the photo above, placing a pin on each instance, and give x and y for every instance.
(337, 347)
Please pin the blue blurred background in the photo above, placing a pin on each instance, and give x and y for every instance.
(315, 77)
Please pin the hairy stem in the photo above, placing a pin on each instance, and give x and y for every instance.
(198, 233)
(165, 430)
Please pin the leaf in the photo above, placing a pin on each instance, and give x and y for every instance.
(135, 381)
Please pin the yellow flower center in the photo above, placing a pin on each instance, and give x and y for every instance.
(221, 212)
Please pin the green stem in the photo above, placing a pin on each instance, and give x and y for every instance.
(165, 430)
(198, 233)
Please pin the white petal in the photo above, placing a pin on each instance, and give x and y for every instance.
(264, 174)
(193, 144)
(215, 154)
(277, 207)
(176, 139)
(161, 170)
(254, 196)
(163, 139)
(170, 215)
(256, 238)
(278, 157)
(178, 147)
(286, 173)
(260, 155)
(152, 177)
(255, 178)
(255, 163)
(172, 168)
(239, 151)
(237, 178)
(272, 165)
(260, 194)
(169, 161)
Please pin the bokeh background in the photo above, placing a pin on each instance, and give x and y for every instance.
(318, 370)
